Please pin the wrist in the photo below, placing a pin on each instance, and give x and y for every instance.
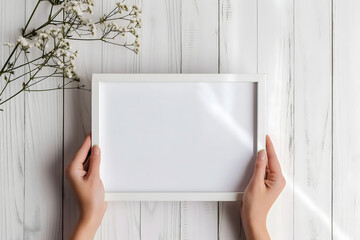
(86, 228)
(255, 228)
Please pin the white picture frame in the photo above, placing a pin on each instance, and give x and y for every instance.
(260, 133)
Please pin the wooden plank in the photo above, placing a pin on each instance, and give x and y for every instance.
(77, 119)
(160, 220)
(122, 219)
(238, 54)
(77, 114)
(161, 37)
(160, 53)
(199, 31)
(238, 36)
(43, 151)
(313, 138)
(12, 130)
(199, 220)
(346, 114)
(275, 51)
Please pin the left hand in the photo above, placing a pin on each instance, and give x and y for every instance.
(88, 189)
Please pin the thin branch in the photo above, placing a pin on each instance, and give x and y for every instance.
(31, 16)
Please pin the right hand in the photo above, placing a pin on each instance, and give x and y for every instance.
(263, 189)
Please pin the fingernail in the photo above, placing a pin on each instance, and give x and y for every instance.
(261, 155)
(96, 150)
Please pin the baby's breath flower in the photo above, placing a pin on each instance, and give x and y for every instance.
(51, 41)
(114, 26)
(10, 45)
(23, 42)
(86, 21)
(59, 64)
(68, 73)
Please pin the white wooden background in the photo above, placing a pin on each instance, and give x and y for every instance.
(310, 50)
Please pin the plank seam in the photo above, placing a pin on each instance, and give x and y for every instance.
(181, 39)
(140, 223)
(218, 220)
(294, 111)
(24, 136)
(332, 119)
(218, 70)
(257, 36)
(63, 158)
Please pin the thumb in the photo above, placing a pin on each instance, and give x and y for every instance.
(260, 166)
(94, 167)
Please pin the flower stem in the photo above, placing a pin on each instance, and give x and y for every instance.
(31, 16)
(7, 61)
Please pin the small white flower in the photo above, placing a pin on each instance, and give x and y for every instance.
(77, 9)
(9, 44)
(59, 64)
(114, 26)
(86, 21)
(68, 73)
(23, 42)
(44, 36)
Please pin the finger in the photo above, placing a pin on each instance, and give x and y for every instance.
(81, 154)
(94, 167)
(260, 166)
(273, 163)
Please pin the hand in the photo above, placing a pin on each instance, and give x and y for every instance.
(263, 189)
(88, 189)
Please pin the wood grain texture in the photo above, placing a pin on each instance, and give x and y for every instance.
(160, 220)
(160, 53)
(199, 41)
(43, 151)
(77, 113)
(290, 41)
(238, 36)
(160, 37)
(12, 128)
(346, 128)
(122, 219)
(199, 36)
(313, 111)
(276, 59)
(238, 54)
(77, 119)
(199, 220)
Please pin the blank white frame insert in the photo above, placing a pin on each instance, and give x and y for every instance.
(177, 137)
